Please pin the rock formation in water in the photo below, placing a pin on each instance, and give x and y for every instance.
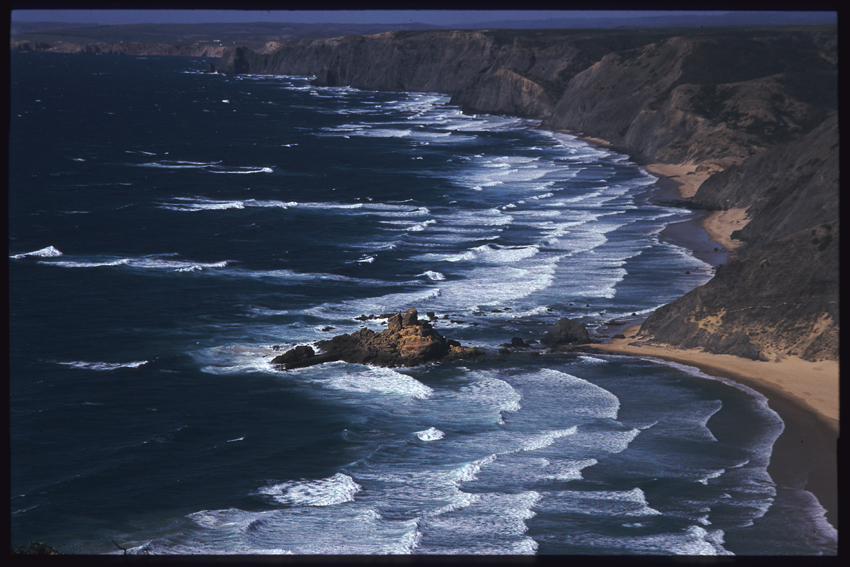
(405, 342)
(566, 331)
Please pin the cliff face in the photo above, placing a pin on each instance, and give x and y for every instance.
(757, 106)
(711, 98)
(707, 98)
(778, 294)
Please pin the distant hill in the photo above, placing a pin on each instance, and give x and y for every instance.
(255, 34)
(721, 19)
(252, 34)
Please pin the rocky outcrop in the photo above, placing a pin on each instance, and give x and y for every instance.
(566, 331)
(405, 342)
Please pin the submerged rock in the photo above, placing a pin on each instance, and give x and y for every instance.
(566, 331)
(406, 342)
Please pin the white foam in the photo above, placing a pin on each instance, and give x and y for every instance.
(212, 167)
(430, 434)
(488, 253)
(501, 516)
(104, 366)
(324, 492)
(243, 170)
(48, 252)
(711, 474)
(367, 380)
(433, 276)
(469, 471)
(203, 205)
(177, 164)
(461, 501)
(546, 439)
(495, 393)
(566, 469)
(586, 399)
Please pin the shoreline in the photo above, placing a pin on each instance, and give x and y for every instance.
(804, 394)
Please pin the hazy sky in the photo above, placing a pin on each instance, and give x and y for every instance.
(437, 17)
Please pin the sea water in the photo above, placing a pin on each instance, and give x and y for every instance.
(170, 231)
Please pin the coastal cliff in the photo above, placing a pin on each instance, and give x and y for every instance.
(778, 293)
(755, 107)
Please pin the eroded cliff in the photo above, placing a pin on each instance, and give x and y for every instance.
(778, 293)
(757, 105)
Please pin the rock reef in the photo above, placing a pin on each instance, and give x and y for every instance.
(406, 341)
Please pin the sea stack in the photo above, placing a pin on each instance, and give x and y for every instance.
(566, 331)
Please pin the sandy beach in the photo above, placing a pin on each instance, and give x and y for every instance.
(685, 180)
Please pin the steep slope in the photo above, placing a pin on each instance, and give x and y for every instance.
(507, 72)
(713, 97)
(757, 106)
(778, 293)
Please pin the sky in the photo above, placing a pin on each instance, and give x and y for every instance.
(436, 17)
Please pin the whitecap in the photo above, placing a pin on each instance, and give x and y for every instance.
(566, 470)
(378, 380)
(546, 439)
(711, 474)
(364, 379)
(324, 492)
(49, 252)
(71, 264)
(430, 434)
(104, 366)
(469, 471)
(242, 170)
(434, 276)
(487, 253)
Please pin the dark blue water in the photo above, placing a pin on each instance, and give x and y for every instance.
(168, 228)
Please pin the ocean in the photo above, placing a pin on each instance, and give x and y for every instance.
(170, 231)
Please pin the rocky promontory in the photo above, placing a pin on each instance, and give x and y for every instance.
(406, 341)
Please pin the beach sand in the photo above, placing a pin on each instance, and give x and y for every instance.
(721, 224)
(685, 181)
